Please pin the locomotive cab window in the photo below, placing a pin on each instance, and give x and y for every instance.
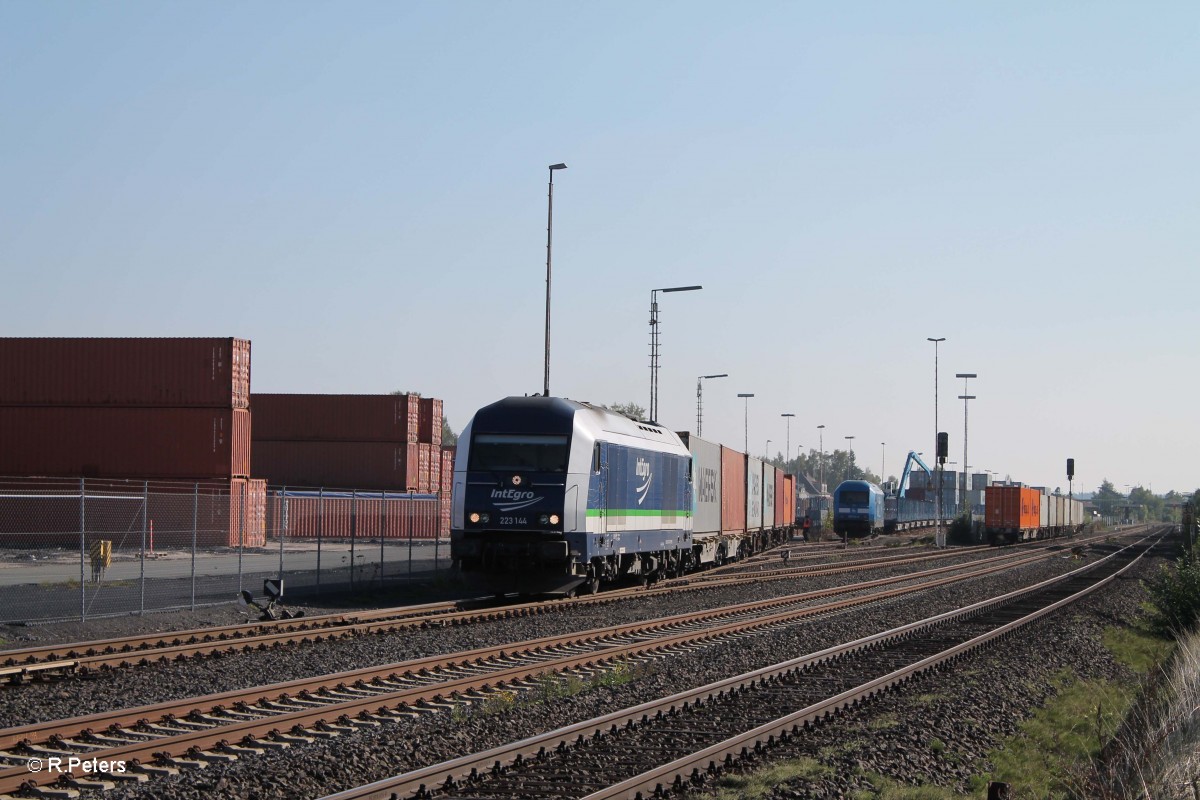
(855, 498)
(596, 458)
(503, 452)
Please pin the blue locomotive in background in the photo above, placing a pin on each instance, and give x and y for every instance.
(858, 508)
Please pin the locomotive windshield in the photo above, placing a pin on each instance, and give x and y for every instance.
(854, 498)
(505, 452)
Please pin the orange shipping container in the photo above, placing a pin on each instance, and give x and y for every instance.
(125, 442)
(733, 490)
(1013, 508)
(184, 372)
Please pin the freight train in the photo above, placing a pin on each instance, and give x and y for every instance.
(1019, 513)
(554, 496)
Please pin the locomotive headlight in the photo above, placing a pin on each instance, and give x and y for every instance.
(475, 517)
(554, 519)
(545, 519)
(485, 518)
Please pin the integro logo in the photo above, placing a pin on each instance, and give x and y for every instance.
(642, 470)
(512, 499)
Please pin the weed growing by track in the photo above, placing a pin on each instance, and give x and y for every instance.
(554, 687)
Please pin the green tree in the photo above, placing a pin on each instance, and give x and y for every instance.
(630, 409)
(449, 437)
(1108, 501)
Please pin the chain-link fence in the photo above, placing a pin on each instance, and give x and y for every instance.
(94, 547)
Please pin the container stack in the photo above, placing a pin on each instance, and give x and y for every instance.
(348, 441)
(447, 488)
(167, 409)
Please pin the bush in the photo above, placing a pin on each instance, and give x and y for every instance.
(1175, 593)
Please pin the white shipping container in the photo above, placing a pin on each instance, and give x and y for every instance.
(768, 512)
(754, 493)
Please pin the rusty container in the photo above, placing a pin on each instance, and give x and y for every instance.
(336, 417)
(781, 504)
(733, 491)
(430, 430)
(342, 465)
(125, 442)
(185, 372)
(447, 470)
(424, 463)
(356, 515)
(789, 495)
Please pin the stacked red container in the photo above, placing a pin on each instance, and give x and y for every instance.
(347, 441)
(431, 421)
(447, 488)
(125, 408)
(165, 409)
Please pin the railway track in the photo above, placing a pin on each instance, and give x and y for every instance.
(188, 734)
(49, 661)
(669, 745)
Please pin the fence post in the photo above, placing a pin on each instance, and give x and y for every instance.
(82, 549)
(382, 532)
(353, 532)
(283, 529)
(142, 560)
(320, 531)
(195, 524)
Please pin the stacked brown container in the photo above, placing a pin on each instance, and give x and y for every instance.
(348, 441)
(447, 488)
(175, 409)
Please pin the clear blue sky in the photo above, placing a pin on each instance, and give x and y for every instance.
(360, 188)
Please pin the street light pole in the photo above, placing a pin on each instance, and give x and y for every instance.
(821, 433)
(699, 399)
(849, 471)
(654, 344)
(788, 446)
(746, 397)
(549, 238)
(966, 376)
(882, 463)
(936, 342)
(767, 450)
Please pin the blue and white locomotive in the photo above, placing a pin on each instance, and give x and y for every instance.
(553, 495)
(858, 508)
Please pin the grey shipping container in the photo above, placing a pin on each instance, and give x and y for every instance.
(706, 483)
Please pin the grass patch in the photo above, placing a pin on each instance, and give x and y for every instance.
(761, 783)
(1138, 647)
(1062, 735)
(883, 722)
(888, 789)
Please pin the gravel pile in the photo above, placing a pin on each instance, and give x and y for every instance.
(367, 755)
